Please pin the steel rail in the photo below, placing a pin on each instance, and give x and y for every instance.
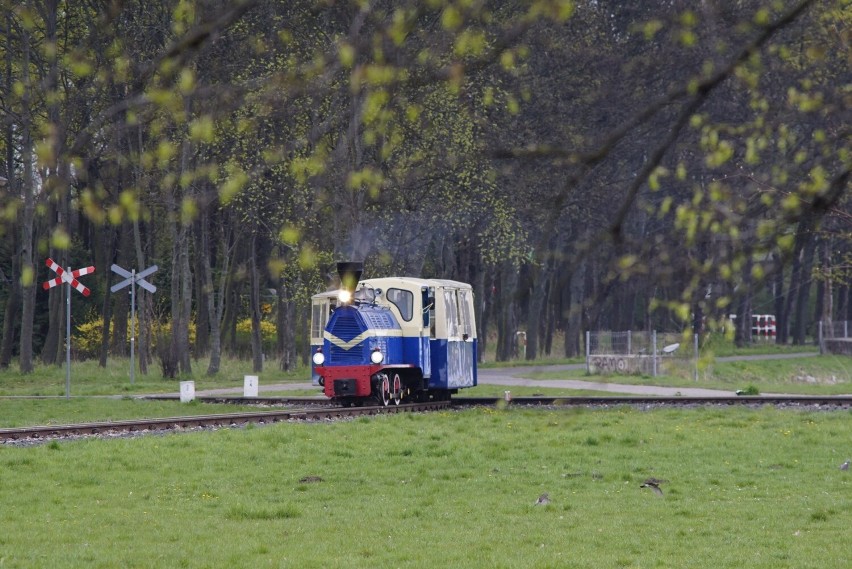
(568, 400)
(47, 432)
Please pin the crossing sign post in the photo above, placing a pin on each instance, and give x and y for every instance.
(68, 277)
(133, 278)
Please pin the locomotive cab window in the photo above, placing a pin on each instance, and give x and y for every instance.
(458, 310)
(319, 318)
(451, 308)
(403, 300)
(465, 320)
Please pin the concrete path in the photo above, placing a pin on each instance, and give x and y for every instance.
(615, 388)
(519, 376)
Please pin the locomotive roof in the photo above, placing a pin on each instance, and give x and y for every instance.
(413, 281)
(385, 282)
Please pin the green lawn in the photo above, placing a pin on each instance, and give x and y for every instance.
(30, 412)
(88, 378)
(745, 489)
(817, 375)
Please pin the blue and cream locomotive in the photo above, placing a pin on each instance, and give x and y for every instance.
(393, 339)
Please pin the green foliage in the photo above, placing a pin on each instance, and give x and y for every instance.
(268, 333)
(86, 341)
(451, 138)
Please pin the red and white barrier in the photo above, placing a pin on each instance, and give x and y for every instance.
(763, 326)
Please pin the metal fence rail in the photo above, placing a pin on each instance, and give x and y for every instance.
(636, 352)
(835, 337)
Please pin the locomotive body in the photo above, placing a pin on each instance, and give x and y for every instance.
(398, 338)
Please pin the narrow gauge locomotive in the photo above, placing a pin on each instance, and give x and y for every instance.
(396, 338)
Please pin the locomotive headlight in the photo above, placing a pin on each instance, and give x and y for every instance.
(319, 358)
(345, 297)
(377, 356)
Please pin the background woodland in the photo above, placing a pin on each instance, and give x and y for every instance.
(585, 165)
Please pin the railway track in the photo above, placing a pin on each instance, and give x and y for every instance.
(828, 401)
(43, 433)
(313, 409)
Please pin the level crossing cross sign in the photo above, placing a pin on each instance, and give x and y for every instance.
(133, 277)
(69, 277)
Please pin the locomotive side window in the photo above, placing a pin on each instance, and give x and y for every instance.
(319, 317)
(431, 313)
(427, 308)
(466, 329)
(403, 300)
(451, 308)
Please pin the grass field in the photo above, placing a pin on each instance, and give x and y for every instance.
(745, 488)
(29, 412)
(816, 375)
(89, 379)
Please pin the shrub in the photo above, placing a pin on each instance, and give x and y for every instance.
(750, 390)
(268, 331)
(87, 336)
(86, 341)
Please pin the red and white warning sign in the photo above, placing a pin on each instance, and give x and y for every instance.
(69, 277)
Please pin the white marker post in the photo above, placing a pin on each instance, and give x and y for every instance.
(132, 278)
(250, 386)
(187, 391)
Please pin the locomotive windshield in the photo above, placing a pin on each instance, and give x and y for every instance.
(367, 294)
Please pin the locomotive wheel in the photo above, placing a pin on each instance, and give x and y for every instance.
(384, 388)
(397, 389)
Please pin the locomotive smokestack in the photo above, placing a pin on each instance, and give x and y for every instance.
(350, 274)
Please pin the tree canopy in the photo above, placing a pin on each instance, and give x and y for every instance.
(584, 164)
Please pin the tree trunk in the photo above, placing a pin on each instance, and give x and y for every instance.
(825, 301)
(104, 254)
(121, 308)
(285, 326)
(215, 296)
(535, 313)
(742, 328)
(144, 308)
(572, 306)
(254, 307)
(842, 302)
(28, 270)
(483, 311)
(183, 345)
(803, 286)
(202, 291)
(507, 322)
(12, 311)
(177, 352)
(56, 186)
(780, 304)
